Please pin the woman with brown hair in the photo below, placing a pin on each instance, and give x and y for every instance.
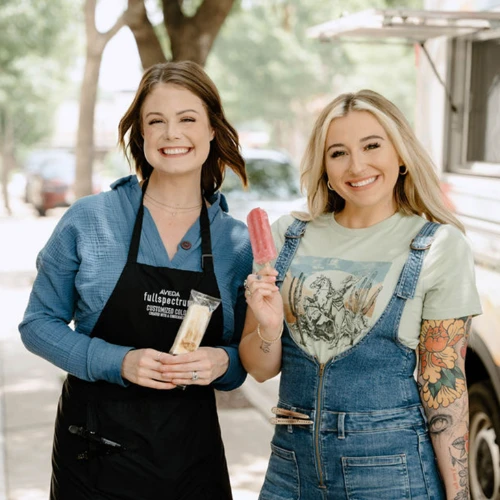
(121, 265)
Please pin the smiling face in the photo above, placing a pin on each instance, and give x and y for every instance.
(176, 130)
(362, 165)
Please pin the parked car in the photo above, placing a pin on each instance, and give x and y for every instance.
(50, 175)
(49, 179)
(273, 185)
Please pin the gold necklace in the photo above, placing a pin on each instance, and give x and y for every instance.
(173, 210)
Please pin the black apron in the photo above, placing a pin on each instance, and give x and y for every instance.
(171, 441)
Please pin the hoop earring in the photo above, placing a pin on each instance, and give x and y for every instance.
(329, 186)
(403, 170)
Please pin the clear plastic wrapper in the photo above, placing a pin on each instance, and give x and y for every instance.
(195, 322)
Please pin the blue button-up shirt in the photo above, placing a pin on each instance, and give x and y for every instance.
(80, 265)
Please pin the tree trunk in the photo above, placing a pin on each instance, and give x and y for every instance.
(148, 45)
(96, 42)
(192, 37)
(7, 146)
(85, 135)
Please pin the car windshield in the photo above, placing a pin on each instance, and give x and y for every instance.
(58, 168)
(270, 174)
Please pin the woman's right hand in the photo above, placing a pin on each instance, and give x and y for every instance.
(264, 298)
(142, 367)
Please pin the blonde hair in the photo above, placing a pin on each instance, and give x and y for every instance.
(418, 192)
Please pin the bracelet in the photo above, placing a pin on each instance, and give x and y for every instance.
(269, 341)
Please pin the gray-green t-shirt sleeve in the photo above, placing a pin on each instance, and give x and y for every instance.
(448, 277)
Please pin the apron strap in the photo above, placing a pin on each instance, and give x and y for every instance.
(207, 259)
(206, 240)
(133, 250)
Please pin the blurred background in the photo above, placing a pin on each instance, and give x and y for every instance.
(69, 70)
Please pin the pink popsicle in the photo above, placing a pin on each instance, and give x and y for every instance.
(261, 238)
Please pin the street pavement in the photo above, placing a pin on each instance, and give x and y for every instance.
(30, 386)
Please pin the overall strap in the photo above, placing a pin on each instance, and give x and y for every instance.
(407, 284)
(293, 234)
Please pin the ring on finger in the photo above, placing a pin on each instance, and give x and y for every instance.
(194, 375)
(248, 292)
(245, 284)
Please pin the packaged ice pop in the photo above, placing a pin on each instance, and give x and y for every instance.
(195, 323)
(261, 238)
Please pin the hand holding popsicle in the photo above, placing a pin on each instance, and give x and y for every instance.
(261, 238)
(262, 293)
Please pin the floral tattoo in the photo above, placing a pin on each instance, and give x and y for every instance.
(443, 380)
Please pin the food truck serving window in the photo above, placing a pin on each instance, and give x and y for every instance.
(484, 111)
(407, 24)
(474, 131)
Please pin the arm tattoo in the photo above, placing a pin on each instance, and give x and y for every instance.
(265, 346)
(442, 380)
(439, 423)
(459, 455)
(443, 389)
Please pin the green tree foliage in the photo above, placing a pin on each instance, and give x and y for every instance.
(36, 46)
(268, 69)
(264, 63)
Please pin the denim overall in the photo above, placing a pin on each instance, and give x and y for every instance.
(367, 438)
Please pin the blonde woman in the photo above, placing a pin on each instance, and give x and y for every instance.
(375, 281)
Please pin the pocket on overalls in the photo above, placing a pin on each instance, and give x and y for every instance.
(376, 478)
(282, 476)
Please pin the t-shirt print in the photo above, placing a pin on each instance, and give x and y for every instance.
(332, 301)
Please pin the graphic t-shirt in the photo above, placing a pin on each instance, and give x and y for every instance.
(341, 280)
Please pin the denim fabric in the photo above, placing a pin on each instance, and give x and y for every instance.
(369, 440)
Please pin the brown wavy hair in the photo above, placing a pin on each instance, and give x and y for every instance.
(224, 148)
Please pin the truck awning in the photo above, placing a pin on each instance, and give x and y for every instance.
(414, 26)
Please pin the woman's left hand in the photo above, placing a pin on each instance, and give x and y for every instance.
(200, 367)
